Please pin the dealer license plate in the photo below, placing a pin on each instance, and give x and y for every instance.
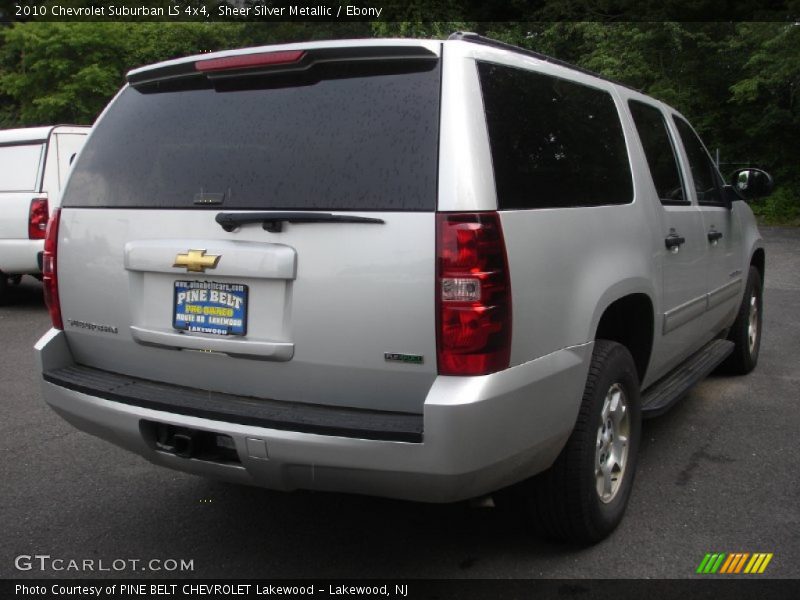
(210, 307)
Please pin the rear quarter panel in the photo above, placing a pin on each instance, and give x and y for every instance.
(567, 266)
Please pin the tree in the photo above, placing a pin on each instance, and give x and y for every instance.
(67, 72)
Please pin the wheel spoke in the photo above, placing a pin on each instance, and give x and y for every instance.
(618, 416)
(620, 444)
(752, 324)
(614, 398)
(607, 481)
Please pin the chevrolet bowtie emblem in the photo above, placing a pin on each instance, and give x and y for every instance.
(196, 261)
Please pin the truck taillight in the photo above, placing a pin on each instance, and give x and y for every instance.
(37, 219)
(50, 270)
(473, 294)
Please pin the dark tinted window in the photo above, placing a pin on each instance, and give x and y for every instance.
(704, 172)
(658, 150)
(361, 143)
(554, 143)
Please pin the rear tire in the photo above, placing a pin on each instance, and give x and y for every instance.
(582, 497)
(746, 330)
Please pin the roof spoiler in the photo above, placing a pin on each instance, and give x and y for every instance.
(260, 64)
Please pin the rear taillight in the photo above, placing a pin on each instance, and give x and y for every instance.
(50, 270)
(37, 219)
(473, 294)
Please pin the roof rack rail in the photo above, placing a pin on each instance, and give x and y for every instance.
(468, 36)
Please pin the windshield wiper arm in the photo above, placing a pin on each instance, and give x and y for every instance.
(273, 221)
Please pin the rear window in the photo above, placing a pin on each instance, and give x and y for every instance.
(19, 167)
(554, 143)
(351, 143)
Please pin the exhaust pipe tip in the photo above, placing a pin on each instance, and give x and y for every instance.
(183, 444)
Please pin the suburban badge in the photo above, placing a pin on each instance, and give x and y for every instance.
(196, 261)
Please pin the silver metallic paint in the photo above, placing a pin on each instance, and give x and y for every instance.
(376, 286)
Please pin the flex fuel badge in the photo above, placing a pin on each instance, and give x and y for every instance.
(414, 359)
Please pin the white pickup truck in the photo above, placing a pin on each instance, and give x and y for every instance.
(34, 164)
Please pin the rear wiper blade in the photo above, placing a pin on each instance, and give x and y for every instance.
(273, 221)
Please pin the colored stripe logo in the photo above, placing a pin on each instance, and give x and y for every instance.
(734, 563)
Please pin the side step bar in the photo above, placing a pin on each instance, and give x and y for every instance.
(667, 391)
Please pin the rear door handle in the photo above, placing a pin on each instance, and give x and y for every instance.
(674, 241)
(714, 235)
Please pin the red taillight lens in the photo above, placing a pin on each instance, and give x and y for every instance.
(50, 270)
(249, 61)
(37, 218)
(473, 294)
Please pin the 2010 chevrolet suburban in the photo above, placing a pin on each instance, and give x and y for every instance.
(410, 268)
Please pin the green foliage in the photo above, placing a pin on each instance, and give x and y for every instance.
(67, 72)
(781, 208)
(417, 29)
(766, 98)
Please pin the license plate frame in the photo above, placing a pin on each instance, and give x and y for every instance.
(218, 309)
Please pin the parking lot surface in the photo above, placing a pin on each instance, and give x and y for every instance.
(718, 473)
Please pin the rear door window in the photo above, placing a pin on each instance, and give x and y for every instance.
(19, 167)
(660, 154)
(346, 143)
(554, 142)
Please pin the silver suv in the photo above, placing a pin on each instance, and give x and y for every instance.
(409, 268)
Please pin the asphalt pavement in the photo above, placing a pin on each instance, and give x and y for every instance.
(718, 473)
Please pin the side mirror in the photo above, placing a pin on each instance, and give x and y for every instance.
(751, 183)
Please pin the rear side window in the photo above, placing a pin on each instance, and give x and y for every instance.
(347, 143)
(19, 167)
(658, 150)
(704, 173)
(554, 143)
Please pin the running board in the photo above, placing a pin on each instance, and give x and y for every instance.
(662, 395)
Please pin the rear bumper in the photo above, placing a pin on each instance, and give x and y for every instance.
(479, 434)
(19, 257)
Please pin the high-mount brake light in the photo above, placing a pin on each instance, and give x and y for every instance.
(37, 219)
(50, 270)
(473, 294)
(249, 61)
